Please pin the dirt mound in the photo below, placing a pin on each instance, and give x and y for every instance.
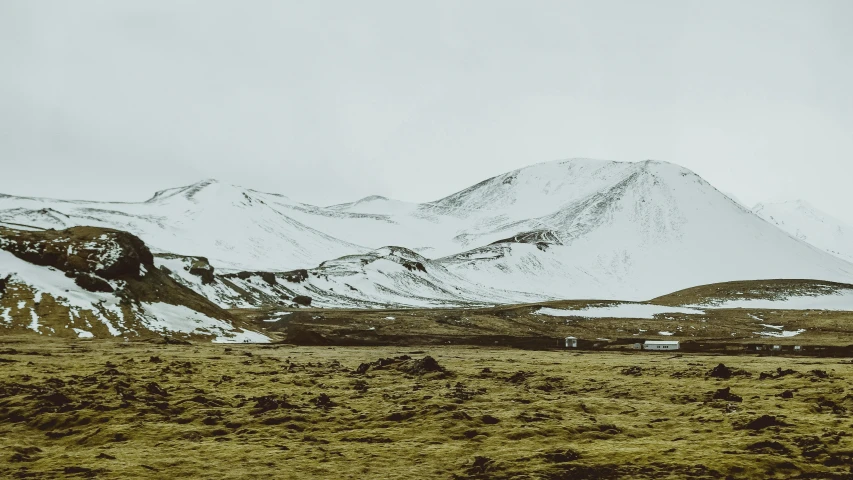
(323, 401)
(299, 335)
(381, 364)
(762, 422)
(727, 395)
(786, 394)
(724, 372)
(406, 364)
(422, 366)
(302, 300)
(267, 403)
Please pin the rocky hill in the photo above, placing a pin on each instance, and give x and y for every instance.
(97, 282)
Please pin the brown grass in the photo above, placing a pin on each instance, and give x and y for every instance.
(89, 409)
(415, 325)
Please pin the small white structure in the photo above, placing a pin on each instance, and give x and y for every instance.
(661, 345)
(571, 342)
(777, 348)
(798, 348)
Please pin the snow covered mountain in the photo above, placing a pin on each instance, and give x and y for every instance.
(386, 277)
(238, 228)
(804, 221)
(633, 230)
(568, 229)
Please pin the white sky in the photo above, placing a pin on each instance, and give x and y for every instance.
(330, 101)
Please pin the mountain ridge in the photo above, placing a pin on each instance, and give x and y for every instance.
(806, 222)
(560, 229)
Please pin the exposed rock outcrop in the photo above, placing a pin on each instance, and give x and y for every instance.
(110, 254)
(93, 283)
(302, 300)
(202, 268)
(131, 296)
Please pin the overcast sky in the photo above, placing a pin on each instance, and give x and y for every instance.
(330, 101)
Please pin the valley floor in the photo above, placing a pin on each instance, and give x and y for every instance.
(108, 409)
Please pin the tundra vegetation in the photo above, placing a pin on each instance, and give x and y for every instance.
(174, 409)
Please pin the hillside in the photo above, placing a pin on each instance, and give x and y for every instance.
(237, 228)
(568, 229)
(389, 277)
(809, 224)
(92, 282)
(656, 228)
(722, 317)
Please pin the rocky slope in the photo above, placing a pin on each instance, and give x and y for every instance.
(95, 282)
(386, 277)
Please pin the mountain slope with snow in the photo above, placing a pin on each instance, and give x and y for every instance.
(654, 229)
(89, 282)
(567, 229)
(238, 228)
(804, 221)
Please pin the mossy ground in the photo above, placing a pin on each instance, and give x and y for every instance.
(415, 326)
(106, 409)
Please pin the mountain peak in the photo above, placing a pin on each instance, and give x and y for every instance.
(372, 198)
(534, 190)
(192, 192)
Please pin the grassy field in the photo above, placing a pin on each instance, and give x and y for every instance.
(107, 409)
(415, 325)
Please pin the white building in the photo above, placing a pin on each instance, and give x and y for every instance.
(571, 342)
(661, 345)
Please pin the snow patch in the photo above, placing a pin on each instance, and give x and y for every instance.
(841, 300)
(178, 318)
(246, 336)
(622, 310)
(34, 325)
(83, 333)
(781, 334)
